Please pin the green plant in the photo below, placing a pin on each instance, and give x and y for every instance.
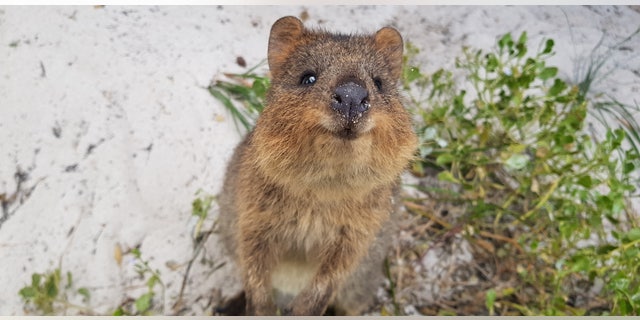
(604, 107)
(144, 304)
(49, 294)
(514, 143)
(200, 208)
(249, 88)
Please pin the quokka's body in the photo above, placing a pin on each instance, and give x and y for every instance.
(307, 198)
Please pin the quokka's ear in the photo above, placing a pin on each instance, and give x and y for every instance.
(388, 42)
(285, 32)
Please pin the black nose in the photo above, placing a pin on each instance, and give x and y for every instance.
(350, 100)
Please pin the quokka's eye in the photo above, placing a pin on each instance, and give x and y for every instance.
(378, 83)
(308, 78)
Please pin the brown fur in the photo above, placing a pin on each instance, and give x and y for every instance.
(302, 205)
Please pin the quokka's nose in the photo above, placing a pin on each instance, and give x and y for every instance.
(351, 100)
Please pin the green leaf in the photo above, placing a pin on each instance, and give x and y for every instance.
(517, 161)
(628, 167)
(616, 235)
(199, 208)
(260, 87)
(633, 234)
(444, 159)
(605, 249)
(557, 88)
(534, 245)
(136, 252)
(632, 253)
(580, 264)
(143, 303)
(35, 280)
(618, 205)
(447, 176)
(492, 62)
(522, 49)
(27, 293)
(625, 306)
(152, 281)
(413, 73)
(548, 46)
(85, 293)
(119, 312)
(585, 181)
(548, 73)
(490, 299)
(51, 286)
(620, 283)
(439, 112)
(523, 38)
(505, 41)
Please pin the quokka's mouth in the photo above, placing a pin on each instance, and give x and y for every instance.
(347, 134)
(350, 129)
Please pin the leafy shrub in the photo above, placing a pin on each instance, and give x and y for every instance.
(514, 143)
(48, 294)
(249, 88)
(146, 302)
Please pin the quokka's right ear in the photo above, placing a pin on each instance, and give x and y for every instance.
(284, 34)
(389, 43)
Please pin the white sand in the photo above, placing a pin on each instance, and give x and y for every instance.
(105, 111)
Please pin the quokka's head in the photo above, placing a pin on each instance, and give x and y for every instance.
(343, 85)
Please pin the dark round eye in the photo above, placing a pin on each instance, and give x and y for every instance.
(378, 83)
(308, 78)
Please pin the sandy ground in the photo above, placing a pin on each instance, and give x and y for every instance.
(107, 131)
